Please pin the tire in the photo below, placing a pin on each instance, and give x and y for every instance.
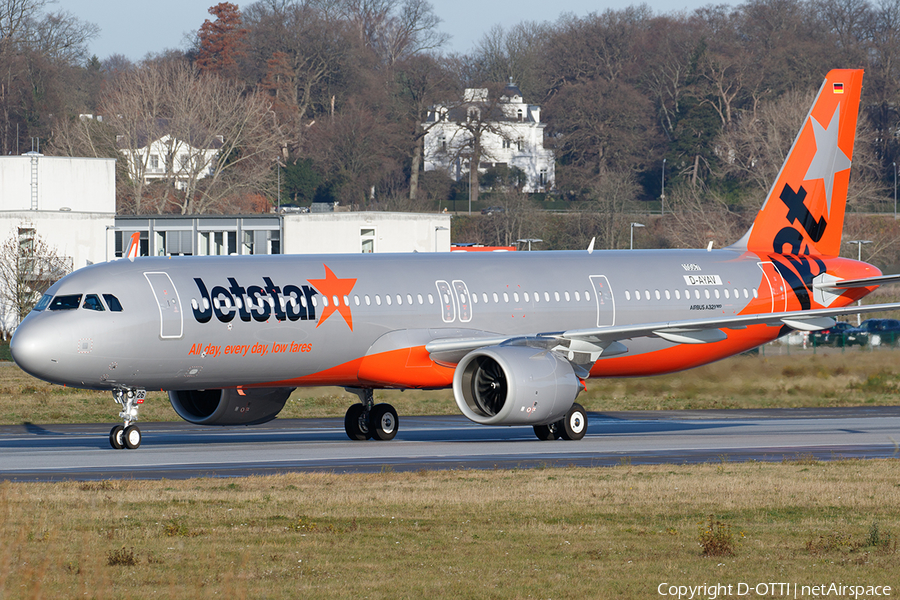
(547, 432)
(574, 425)
(117, 437)
(383, 422)
(132, 437)
(354, 423)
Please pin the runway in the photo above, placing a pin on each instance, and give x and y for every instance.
(32, 452)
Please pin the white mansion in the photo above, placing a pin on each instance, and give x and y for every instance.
(511, 135)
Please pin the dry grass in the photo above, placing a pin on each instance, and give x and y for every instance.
(827, 378)
(549, 533)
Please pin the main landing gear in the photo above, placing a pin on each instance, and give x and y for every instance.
(571, 427)
(127, 435)
(368, 420)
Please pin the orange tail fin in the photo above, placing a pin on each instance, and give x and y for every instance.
(804, 212)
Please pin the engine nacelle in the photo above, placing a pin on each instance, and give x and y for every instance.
(229, 407)
(514, 385)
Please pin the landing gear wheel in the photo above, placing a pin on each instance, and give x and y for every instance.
(547, 432)
(127, 435)
(117, 437)
(356, 423)
(132, 437)
(383, 422)
(574, 425)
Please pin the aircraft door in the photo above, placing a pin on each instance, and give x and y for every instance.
(445, 297)
(463, 300)
(606, 305)
(170, 314)
(777, 287)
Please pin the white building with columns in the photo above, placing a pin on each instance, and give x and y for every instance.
(512, 136)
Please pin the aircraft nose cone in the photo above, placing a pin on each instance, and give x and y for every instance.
(32, 348)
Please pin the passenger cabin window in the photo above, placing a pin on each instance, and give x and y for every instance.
(69, 302)
(92, 302)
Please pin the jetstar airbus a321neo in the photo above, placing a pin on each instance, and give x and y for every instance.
(515, 334)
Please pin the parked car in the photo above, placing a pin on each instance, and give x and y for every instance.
(492, 209)
(879, 331)
(839, 335)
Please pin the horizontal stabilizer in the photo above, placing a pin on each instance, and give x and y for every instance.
(858, 283)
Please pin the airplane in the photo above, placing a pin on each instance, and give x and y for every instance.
(515, 334)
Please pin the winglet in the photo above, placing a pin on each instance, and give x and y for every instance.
(134, 247)
(804, 211)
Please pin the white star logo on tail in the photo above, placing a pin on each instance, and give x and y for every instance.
(829, 159)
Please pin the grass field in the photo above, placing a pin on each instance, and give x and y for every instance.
(826, 378)
(539, 533)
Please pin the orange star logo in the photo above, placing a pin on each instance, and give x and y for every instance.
(336, 296)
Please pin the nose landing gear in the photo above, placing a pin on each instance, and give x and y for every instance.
(127, 435)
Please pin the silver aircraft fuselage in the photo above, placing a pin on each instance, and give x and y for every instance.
(364, 320)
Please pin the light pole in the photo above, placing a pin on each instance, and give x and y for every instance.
(436, 229)
(662, 197)
(529, 241)
(633, 225)
(859, 245)
(895, 190)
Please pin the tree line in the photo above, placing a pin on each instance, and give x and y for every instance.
(687, 113)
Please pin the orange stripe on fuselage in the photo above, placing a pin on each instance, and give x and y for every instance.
(402, 368)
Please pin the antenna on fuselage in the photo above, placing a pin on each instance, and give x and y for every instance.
(591, 247)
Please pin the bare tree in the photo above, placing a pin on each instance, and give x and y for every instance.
(755, 149)
(32, 45)
(188, 140)
(513, 55)
(394, 29)
(614, 195)
(698, 216)
(211, 112)
(313, 53)
(519, 219)
(28, 267)
(422, 82)
(351, 148)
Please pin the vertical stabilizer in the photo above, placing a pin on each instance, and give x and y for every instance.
(804, 211)
(134, 248)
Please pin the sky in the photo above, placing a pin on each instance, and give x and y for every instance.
(135, 29)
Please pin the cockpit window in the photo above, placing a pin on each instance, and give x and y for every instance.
(43, 303)
(70, 302)
(92, 302)
(112, 302)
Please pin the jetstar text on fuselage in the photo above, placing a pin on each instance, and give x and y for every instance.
(258, 303)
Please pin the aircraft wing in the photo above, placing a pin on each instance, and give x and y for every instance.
(607, 340)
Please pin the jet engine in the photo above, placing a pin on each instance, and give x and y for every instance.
(514, 385)
(229, 407)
